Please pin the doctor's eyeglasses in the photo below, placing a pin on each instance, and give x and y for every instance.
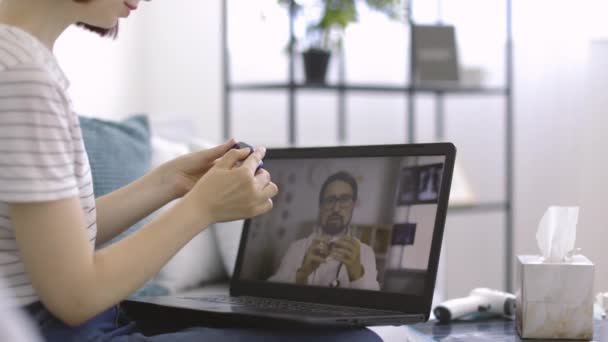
(343, 201)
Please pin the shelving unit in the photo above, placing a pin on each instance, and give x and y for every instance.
(378, 237)
(410, 92)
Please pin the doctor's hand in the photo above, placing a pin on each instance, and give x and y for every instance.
(347, 250)
(315, 255)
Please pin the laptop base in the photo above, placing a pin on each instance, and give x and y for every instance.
(156, 315)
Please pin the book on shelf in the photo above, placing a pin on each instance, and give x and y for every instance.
(435, 58)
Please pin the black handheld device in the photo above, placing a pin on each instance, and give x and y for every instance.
(242, 144)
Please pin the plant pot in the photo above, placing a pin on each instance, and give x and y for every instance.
(315, 65)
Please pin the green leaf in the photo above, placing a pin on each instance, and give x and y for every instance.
(391, 8)
(338, 13)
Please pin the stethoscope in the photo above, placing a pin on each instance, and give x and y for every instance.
(336, 282)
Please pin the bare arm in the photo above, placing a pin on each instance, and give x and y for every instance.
(75, 282)
(122, 208)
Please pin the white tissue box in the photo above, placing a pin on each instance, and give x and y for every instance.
(555, 300)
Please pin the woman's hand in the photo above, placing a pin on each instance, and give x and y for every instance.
(227, 192)
(181, 174)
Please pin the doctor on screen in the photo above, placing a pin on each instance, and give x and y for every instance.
(331, 256)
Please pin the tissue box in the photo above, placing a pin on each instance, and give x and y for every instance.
(555, 300)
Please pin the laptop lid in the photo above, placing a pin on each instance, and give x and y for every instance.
(352, 225)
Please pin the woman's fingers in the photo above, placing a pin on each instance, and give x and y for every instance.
(270, 190)
(204, 159)
(263, 207)
(263, 178)
(254, 160)
(230, 158)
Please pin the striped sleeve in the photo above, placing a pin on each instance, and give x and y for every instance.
(36, 145)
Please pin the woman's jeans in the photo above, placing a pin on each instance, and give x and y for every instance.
(112, 325)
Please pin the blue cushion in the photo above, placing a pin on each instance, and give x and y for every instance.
(119, 153)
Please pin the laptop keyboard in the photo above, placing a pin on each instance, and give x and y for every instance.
(287, 306)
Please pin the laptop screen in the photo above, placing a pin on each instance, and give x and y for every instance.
(363, 223)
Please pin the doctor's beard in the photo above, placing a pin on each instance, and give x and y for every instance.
(334, 225)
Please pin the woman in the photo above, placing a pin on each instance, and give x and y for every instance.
(50, 221)
(46, 191)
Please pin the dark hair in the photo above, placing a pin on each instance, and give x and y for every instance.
(340, 176)
(112, 32)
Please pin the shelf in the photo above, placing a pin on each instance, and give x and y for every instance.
(479, 208)
(409, 89)
(362, 87)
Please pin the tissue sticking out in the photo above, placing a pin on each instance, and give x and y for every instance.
(557, 233)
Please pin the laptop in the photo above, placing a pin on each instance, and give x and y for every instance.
(353, 239)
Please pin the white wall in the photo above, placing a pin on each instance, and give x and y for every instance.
(181, 59)
(593, 227)
(166, 62)
(558, 128)
(105, 75)
(169, 65)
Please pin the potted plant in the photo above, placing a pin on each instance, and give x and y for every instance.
(325, 32)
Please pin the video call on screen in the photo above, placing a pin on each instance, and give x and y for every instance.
(361, 223)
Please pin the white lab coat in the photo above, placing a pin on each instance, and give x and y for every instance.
(325, 274)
